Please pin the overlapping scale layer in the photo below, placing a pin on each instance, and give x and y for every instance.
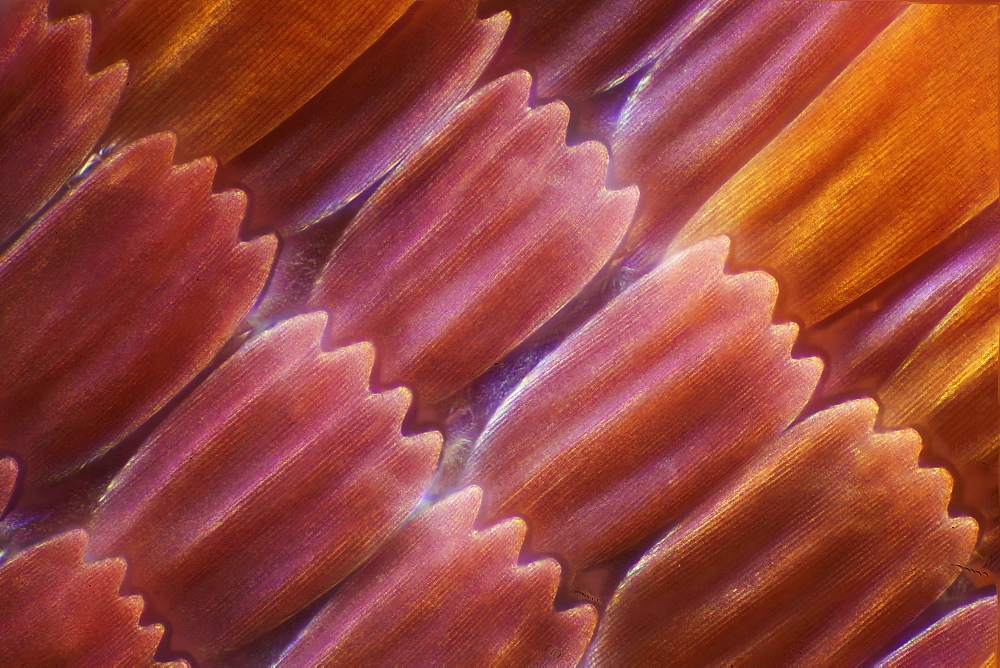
(58, 610)
(371, 116)
(222, 74)
(894, 155)
(837, 143)
(444, 593)
(114, 300)
(714, 99)
(819, 552)
(579, 48)
(612, 437)
(52, 111)
(495, 214)
(869, 340)
(966, 637)
(299, 473)
(947, 388)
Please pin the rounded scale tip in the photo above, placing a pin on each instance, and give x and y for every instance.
(75, 541)
(497, 24)
(161, 145)
(714, 250)
(515, 86)
(306, 327)
(863, 411)
(462, 506)
(8, 479)
(509, 533)
(543, 573)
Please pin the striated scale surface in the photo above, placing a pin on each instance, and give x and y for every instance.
(58, 610)
(966, 637)
(52, 111)
(869, 340)
(444, 593)
(114, 300)
(223, 73)
(299, 473)
(897, 153)
(8, 480)
(715, 98)
(827, 545)
(495, 214)
(579, 48)
(945, 385)
(947, 388)
(371, 116)
(644, 411)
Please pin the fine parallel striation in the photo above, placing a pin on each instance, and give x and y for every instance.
(494, 215)
(892, 157)
(444, 593)
(715, 98)
(222, 74)
(966, 637)
(58, 610)
(52, 111)
(114, 300)
(869, 340)
(580, 48)
(299, 472)
(823, 549)
(370, 117)
(8, 479)
(612, 437)
(947, 388)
